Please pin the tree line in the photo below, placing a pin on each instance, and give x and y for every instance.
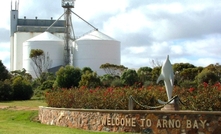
(20, 85)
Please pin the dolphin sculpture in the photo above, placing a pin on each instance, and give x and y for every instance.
(168, 76)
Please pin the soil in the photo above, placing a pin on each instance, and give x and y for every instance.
(19, 108)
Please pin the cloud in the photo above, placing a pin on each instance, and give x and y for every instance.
(4, 35)
(43, 9)
(188, 31)
(91, 10)
(199, 52)
(5, 54)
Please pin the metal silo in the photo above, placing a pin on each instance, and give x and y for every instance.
(47, 42)
(94, 49)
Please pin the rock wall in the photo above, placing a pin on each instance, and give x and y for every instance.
(135, 121)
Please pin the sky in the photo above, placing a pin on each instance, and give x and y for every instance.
(189, 31)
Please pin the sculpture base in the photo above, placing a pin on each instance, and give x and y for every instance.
(170, 107)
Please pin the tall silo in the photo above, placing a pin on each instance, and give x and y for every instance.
(95, 49)
(47, 42)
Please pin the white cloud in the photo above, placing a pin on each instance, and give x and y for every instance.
(90, 9)
(126, 22)
(189, 31)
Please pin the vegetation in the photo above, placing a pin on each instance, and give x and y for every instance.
(22, 89)
(6, 91)
(27, 103)
(199, 88)
(83, 88)
(129, 77)
(41, 61)
(4, 74)
(68, 77)
(112, 69)
(90, 79)
(206, 97)
(24, 122)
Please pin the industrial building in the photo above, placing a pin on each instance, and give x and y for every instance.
(56, 38)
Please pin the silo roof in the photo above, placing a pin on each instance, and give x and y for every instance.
(95, 35)
(46, 36)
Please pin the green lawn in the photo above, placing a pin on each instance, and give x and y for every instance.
(22, 121)
(28, 103)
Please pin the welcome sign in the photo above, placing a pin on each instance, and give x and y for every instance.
(144, 121)
(161, 123)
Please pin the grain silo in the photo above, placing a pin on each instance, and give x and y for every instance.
(47, 42)
(91, 50)
(94, 49)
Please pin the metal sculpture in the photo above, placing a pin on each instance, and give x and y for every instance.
(167, 76)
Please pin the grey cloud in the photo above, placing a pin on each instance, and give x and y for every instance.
(41, 8)
(4, 35)
(188, 24)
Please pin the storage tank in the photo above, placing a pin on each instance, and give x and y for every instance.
(94, 49)
(47, 42)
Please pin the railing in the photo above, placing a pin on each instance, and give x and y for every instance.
(176, 100)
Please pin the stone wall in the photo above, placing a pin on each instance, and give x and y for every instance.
(135, 121)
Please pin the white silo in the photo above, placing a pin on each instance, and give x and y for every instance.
(47, 42)
(95, 49)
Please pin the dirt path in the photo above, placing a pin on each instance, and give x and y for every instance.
(19, 108)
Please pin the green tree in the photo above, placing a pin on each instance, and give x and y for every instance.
(106, 80)
(6, 91)
(215, 68)
(183, 71)
(22, 73)
(207, 76)
(112, 69)
(181, 66)
(144, 74)
(4, 74)
(155, 73)
(129, 77)
(117, 82)
(87, 70)
(68, 77)
(90, 80)
(190, 73)
(22, 88)
(41, 61)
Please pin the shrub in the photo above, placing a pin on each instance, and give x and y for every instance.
(90, 79)
(106, 80)
(22, 89)
(188, 84)
(206, 97)
(207, 76)
(101, 98)
(47, 85)
(117, 83)
(129, 77)
(68, 77)
(6, 91)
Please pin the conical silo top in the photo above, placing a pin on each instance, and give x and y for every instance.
(46, 36)
(95, 35)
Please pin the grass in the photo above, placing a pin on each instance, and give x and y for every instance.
(21, 122)
(27, 103)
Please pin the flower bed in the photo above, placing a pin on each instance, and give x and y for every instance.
(204, 98)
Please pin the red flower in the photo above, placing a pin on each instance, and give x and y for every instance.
(191, 89)
(205, 84)
(218, 86)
